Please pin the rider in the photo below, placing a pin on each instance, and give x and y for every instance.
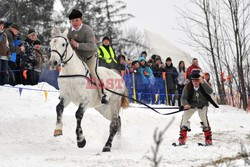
(82, 40)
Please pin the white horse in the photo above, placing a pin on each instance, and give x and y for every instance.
(75, 86)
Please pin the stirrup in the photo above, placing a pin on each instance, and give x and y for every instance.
(104, 99)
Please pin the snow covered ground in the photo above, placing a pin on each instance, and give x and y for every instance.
(27, 123)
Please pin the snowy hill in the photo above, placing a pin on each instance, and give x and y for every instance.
(27, 123)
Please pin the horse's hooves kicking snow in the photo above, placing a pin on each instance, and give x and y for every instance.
(81, 144)
(74, 80)
(106, 149)
(57, 132)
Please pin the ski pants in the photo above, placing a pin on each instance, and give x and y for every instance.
(202, 114)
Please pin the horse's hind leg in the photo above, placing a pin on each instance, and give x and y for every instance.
(115, 125)
(81, 142)
(59, 111)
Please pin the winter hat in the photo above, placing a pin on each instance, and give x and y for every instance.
(15, 26)
(36, 42)
(168, 59)
(105, 38)
(144, 52)
(141, 59)
(75, 14)
(31, 31)
(195, 75)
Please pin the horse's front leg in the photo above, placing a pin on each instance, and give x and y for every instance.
(115, 125)
(59, 112)
(81, 142)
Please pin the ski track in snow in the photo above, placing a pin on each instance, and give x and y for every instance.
(27, 124)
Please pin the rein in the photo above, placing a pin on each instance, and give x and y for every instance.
(85, 76)
(154, 109)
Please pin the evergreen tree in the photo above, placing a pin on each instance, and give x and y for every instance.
(30, 14)
(103, 17)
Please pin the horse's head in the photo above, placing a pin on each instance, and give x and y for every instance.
(58, 46)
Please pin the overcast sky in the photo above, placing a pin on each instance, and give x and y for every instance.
(159, 16)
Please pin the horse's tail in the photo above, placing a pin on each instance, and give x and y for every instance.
(124, 100)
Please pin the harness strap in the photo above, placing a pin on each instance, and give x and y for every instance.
(180, 109)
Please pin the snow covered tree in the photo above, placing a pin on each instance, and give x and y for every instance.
(132, 43)
(30, 14)
(104, 17)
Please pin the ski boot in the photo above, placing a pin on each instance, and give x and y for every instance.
(208, 137)
(183, 136)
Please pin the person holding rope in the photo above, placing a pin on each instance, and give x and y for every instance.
(82, 40)
(195, 97)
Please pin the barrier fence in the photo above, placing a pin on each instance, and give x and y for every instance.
(149, 91)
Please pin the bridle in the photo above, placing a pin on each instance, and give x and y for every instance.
(62, 56)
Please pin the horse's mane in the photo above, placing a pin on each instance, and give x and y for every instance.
(58, 31)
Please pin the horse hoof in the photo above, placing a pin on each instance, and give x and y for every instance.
(57, 132)
(106, 149)
(81, 144)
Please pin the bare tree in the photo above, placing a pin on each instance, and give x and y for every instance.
(240, 19)
(202, 28)
(219, 29)
(132, 42)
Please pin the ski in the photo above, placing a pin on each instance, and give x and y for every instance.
(176, 145)
(204, 144)
(199, 144)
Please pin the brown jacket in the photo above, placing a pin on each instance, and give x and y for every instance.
(11, 37)
(38, 60)
(4, 50)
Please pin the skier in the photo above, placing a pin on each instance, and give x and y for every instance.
(196, 95)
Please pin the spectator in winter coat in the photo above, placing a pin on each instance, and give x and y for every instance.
(107, 57)
(196, 95)
(182, 80)
(135, 65)
(171, 80)
(153, 57)
(194, 66)
(150, 63)
(145, 71)
(147, 80)
(38, 62)
(159, 87)
(144, 54)
(4, 55)
(207, 78)
(133, 80)
(27, 59)
(122, 65)
(12, 33)
(158, 68)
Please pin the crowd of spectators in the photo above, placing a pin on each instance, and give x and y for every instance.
(21, 60)
(154, 80)
(148, 79)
